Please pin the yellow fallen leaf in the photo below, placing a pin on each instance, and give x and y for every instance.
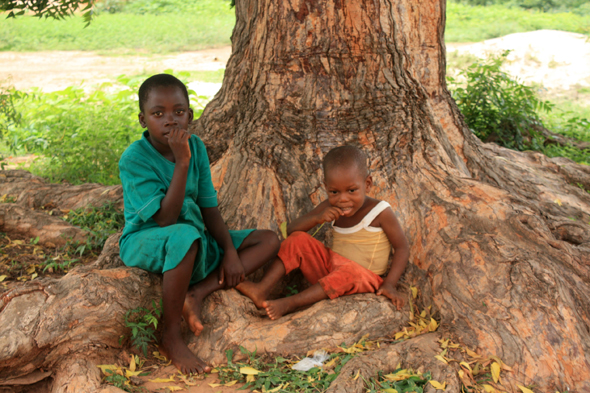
(390, 390)
(275, 389)
(231, 383)
(558, 201)
(249, 371)
(129, 373)
(34, 276)
(414, 292)
(2, 277)
(442, 359)
(467, 366)
(358, 373)
(433, 325)
(162, 380)
(215, 385)
(437, 385)
(250, 378)
(108, 367)
(489, 389)
(132, 364)
(330, 363)
(443, 343)
(495, 367)
(174, 388)
(524, 390)
(471, 353)
(31, 270)
(158, 356)
(283, 228)
(18, 242)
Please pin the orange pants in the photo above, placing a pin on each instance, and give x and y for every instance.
(336, 274)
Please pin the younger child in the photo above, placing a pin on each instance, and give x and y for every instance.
(365, 230)
(172, 223)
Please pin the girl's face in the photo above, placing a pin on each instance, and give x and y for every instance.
(347, 188)
(166, 108)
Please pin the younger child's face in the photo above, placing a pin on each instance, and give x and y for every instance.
(166, 108)
(347, 188)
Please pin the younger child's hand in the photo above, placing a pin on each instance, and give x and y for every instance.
(389, 291)
(329, 214)
(231, 271)
(178, 142)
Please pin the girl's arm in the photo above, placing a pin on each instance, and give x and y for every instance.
(171, 204)
(393, 230)
(231, 270)
(320, 214)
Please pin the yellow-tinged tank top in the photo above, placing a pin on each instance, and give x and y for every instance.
(368, 246)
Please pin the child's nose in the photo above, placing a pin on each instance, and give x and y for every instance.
(171, 120)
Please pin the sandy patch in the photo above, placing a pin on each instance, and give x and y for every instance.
(550, 58)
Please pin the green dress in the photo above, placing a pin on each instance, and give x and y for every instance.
(146, 176)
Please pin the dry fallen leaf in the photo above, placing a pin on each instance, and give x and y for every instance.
(437, 385)
(524, 390)
(495, 367)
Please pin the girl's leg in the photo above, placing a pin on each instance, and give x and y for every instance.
(174, 289)
(277, 308)
(257, 248)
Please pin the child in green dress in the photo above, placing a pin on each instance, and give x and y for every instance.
(172, 223)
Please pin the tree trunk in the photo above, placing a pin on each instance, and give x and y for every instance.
(501, 238)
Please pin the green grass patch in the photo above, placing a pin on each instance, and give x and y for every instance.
(208, 25)
(477, 23)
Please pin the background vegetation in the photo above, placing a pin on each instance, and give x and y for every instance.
(80, 135)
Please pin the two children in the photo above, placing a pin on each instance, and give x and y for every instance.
(173, 227)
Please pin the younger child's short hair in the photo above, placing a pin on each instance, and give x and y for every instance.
(159, 80)
(346, 156)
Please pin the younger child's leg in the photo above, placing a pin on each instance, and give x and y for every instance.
(298, 251)
(257, 248)
(174, 289)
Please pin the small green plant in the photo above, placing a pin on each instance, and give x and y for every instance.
(400, 380)
(278, 374)
(101, 222)
(143, 323)
(498, 108)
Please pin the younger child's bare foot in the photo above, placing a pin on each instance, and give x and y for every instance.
(277, 308)
(174, 348)
(191, 310)
(253, 291)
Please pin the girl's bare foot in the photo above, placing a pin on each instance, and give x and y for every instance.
(277, 308)
(253, 291)
(191, 310)
(174, 348)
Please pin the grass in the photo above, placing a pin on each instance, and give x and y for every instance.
(123, 32)
(478, 23)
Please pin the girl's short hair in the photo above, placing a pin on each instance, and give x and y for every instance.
(159, 80)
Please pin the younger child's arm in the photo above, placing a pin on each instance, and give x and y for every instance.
(231, 271)
(171, 204)
(395, 234)
(320, 214)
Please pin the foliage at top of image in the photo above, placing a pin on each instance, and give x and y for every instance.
(47, 8)
(158, 7)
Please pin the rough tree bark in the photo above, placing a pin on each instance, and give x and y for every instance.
(499, 240)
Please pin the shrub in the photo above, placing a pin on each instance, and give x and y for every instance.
(496, 107)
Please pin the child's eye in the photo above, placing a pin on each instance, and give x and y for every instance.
(158, 114)
(180, 112)
(352, 190)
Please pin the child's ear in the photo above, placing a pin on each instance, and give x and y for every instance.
(141, 118)
(369, 182)
(190, 115)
